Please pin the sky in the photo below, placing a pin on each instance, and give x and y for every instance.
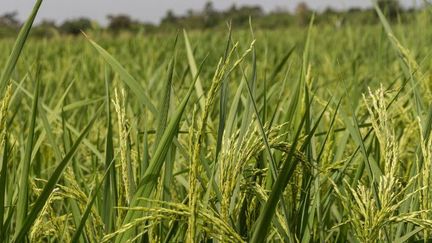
(153, 11)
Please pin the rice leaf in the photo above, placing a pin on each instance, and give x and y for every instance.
(22, 203)
(17, 48)
(50, 185)
(130, 81)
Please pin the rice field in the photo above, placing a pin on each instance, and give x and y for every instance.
(292, 135)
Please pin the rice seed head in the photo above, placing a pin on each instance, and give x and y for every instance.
(125, 153)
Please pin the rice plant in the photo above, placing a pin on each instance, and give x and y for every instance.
(317, 135)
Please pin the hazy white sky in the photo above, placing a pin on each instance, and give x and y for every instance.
(152, 11)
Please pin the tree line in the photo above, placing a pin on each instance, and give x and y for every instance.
(211, 18)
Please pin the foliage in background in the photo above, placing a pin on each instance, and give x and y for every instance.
(210, 18)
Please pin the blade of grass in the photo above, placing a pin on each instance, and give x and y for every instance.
(149, 180)
(194, 71)
(110, 188)
(408, 62)
(307, 177)
(3, 185)
(146, 156)
(266, 215)
(50, 185)
(223, 101)
(164, 107)
(56, 114)
(233, 111)
(22, 203)
(165, 103)
(18, 47)
(89, 206)
(130, 81)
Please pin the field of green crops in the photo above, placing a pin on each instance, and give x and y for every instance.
(297, 135)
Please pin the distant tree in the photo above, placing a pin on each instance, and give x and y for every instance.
(278, 18)
(390, 7)
(209, 8)
(46, 29)
(119, 22)
(149, 28)
(230, 12)
(9, 19)
(280, 10)
(240, 15)
(169, 18)
(190, 13)
(302, 8)
(303, 13)
(354, 10)
(48, 23)
(332, 17)
(253, 11)
(210, 15)
(75, 26)
(329, 11)
(233, 8)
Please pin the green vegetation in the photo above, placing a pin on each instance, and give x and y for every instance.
(297, 134)
(210, 18)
